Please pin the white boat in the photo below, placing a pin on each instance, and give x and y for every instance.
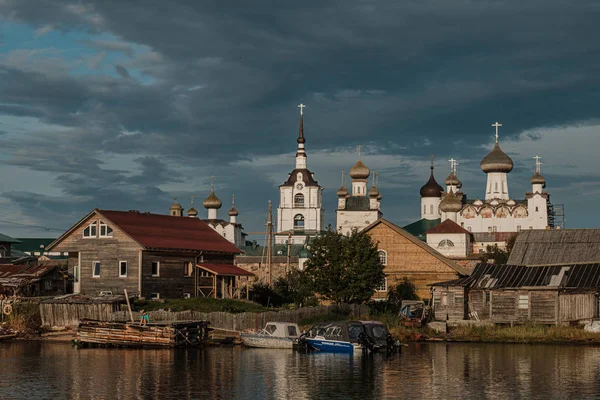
(276, 335)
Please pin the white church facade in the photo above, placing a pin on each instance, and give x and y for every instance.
(497, 212)
(300, 214)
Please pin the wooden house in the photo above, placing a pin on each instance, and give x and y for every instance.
(48, 278)
(405, 256)
(151, 255)
(552, 294)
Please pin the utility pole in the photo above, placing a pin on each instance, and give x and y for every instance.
(269, 242)
(289, 244)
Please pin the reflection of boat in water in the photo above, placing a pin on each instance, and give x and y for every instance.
(276, 335)
(348, 336)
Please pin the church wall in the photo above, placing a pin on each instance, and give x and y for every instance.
(347, 220)
(460, 248)
(430, 208)
(407, 259)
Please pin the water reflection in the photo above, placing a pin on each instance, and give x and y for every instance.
(427, 371)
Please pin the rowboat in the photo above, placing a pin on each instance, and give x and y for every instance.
(275, 335)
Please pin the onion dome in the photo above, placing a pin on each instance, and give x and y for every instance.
(431, 188)
(233, 212)
(374, 192)
(192, 212)
(450, 203)
(538, 179)
(342, 191)
(379, 196)
(359, 171)
(212, 201)
(176, 205)
(452, 180)
(496, 161)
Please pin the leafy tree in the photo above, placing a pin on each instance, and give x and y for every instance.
(296, 288)
(344, 269)
(496, 254)
(406, 290)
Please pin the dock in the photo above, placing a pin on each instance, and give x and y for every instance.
(118, 334)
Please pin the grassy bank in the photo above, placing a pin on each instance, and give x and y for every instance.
(24, 319)
(202, 305)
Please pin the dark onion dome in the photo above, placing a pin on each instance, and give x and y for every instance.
(496, 161)
(431, 188)
(192, 212)
(212, 201)
(359, 171)
(450, 203)
(538, 179)
(452, 180)
(374, 192)
(233, 212)
(342, 191)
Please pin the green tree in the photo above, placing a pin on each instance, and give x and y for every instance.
(344, 269)
(495, 254)
(296, 288)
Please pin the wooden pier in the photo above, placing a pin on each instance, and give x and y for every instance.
(174, 334)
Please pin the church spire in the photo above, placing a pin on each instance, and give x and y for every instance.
(301, 153)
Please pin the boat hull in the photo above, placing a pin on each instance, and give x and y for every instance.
(266, 342)
(331, 346)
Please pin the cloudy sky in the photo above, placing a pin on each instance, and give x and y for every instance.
(127, 104)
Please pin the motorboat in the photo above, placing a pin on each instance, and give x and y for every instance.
(275, 335)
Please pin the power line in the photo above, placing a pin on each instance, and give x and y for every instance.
(33, 226)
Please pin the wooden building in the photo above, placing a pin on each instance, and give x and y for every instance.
(151, 255)
(404, 255)
(48, 278)
(552, 294)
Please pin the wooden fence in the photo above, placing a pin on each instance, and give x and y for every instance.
(68, 315)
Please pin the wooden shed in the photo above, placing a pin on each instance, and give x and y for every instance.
(552, 294)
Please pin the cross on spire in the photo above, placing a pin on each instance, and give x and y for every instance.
(343, 177)
(193, 197)
(212, 184)
(432, 157)
(538, 163)
(358, 148)
(233, 200)
(497, 125)
(453, 165)
(301, 107)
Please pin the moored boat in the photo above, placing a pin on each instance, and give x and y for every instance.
(275, 335)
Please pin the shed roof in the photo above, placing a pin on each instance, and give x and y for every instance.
(225, 269)
(564, 246)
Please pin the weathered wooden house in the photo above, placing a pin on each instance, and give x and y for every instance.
(151, 255)
(48, 278)
(552, 294)
(405, 256)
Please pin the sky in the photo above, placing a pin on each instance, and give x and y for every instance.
(128, 104)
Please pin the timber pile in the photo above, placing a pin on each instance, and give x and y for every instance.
(176, 334)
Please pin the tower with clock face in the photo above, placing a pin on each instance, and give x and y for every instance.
(300, 211)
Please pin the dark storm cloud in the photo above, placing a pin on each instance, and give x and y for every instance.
(223, 80)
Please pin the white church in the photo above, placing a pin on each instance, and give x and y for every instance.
(497, 212)
(300, 215)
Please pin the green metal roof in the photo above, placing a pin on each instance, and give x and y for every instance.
(33, 244)
(421, 226)
(8, 239)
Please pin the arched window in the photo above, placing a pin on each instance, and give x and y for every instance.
(299, 221)
(496, 186)
(90, 230)
(431, 209)
(382, 257)
(299, 200)
(494, 228)
(446, 243)
(424, 208)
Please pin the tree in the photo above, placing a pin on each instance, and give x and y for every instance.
(496, 254)
(344, 269)
(296, 287)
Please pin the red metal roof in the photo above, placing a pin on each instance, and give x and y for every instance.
(224, 269)
(448, 226)
(155, 231)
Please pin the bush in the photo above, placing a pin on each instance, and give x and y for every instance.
(262, 294)
(406, 290)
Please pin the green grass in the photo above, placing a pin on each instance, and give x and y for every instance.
(524, 334)
(203, 304)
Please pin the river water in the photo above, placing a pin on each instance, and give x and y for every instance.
(33, 370)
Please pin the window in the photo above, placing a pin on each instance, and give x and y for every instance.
(489, 228)
(470, 228)
(487, 297)
(96, 269)
(424, 208)
(518, 228)
(496, 187)
(299, 221)
(292, 331)
(90, 230)
(154, 296)
(188, 268)
(155, 268)
(446, 243)
(431, 209)
(105, 230)
(382, 257)
(382, 286)
(299, 200)
(271, 329)
(523, 301)
(76, 273)
(122, 269)
(537, 209)
(494, 229)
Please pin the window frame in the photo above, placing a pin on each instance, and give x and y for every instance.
(385, 256)
(126, 269)
(521, 302)
(154, 296)
(299, 219)
(298, 204)
(384, 285)
(93, 224)
(188, 269)
(157, 269)
(102, 224)
(94, 269)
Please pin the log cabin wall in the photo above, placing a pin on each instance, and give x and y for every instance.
(577, 307)
(449, 303)
(479, 302)
(109, 251)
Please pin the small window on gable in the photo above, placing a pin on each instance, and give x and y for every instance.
(382, 257)
(90, 230)
(122, 269)
(446, 243)
(105, 230)
(96, 269)
(155, 268)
